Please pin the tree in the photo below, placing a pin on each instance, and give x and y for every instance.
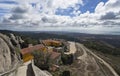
(66, 73)
(67, 59)
(42, 59)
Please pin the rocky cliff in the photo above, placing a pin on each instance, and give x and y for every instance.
(10, 58)
(9, 52)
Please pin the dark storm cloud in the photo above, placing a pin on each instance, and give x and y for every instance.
(17, 16)
(20, 10)
(109, 15)
(48, 20)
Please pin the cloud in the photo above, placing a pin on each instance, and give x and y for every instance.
(20, 9)
(17, 16)
(50, 6)
(111, 6)
(109, 15)
(43, 15)
(21, 12)
(48, 20)
(65, 3)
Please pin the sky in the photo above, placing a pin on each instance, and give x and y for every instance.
(84, 16)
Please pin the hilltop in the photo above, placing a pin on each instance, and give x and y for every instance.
(76, 54)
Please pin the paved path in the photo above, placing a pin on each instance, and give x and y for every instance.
(29, 69)
(22, 71)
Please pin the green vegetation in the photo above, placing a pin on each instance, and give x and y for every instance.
(62, 72)
(18, 53)
(109, 54)
(29, 40)
(67, 59)
(102, 48)
(42, 59)
(66, 73)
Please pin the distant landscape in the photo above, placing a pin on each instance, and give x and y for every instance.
(59, 37)
(106, 47)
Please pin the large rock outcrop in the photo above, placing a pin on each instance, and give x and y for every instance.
(9, 54)
(16, 40)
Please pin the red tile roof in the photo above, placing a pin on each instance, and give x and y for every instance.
(55, 55)
(32, 48)
(51, 41)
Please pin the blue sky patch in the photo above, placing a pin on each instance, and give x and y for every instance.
(66, 12)
(8, 2)
(4, 10)
(88, 6)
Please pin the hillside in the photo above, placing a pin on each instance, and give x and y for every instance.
(104, 46)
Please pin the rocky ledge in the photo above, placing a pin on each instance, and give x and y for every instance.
(9, 53)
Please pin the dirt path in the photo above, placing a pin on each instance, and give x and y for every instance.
(84, 52)
(105, 63)
(72, 48)
(90, 62)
